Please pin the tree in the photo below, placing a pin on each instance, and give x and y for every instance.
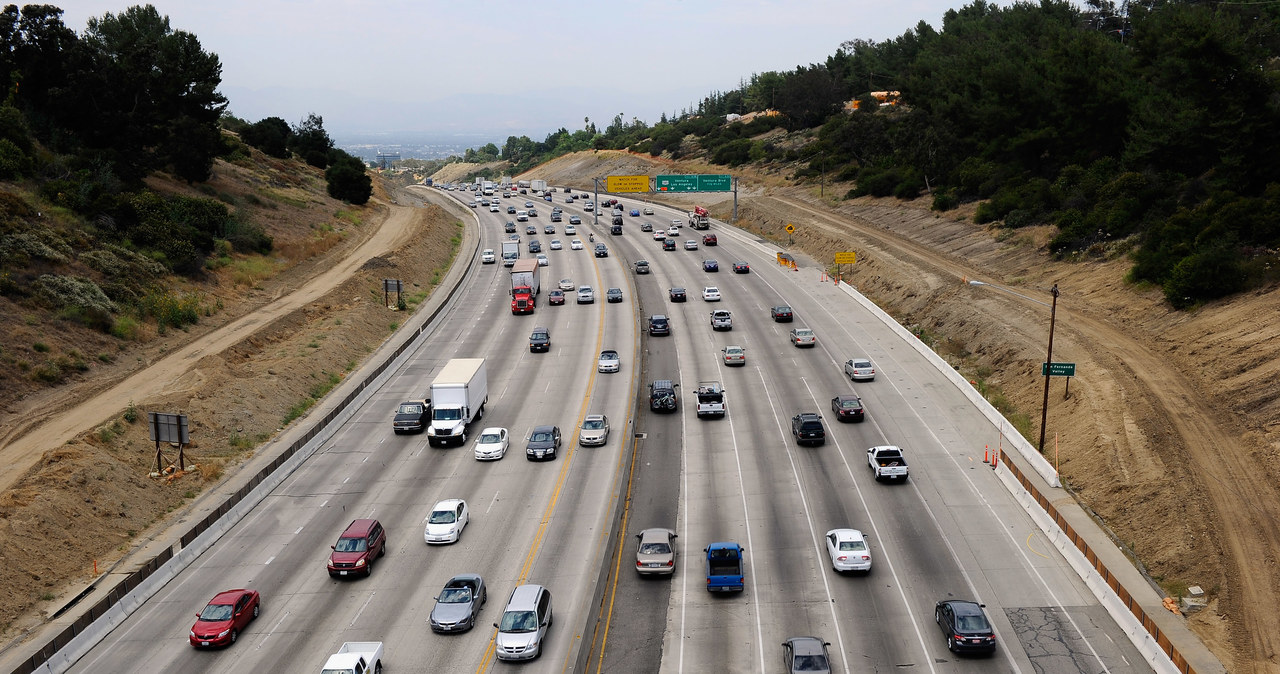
(311, 142)
(347, 180)
(145, 95)
(271, 135)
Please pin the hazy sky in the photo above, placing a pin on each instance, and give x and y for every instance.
(506, 68)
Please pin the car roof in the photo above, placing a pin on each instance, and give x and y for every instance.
(228, 596)
(733, 346)
(609, 352)
(545, 428)
(656, 532)
(847, 396)
(964, 606)
(846, 534)
(359, 527)
(447, 504)
(540, 329)
(808, 416)
(593, 417)
(493, 429)
(806, 645)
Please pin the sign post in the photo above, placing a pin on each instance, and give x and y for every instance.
(1067, 370)
(170, 428)
(391, 285)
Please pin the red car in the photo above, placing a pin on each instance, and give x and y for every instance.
(555, 297)
(221, 621)
(708, 239)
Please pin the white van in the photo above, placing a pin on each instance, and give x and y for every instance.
(522, 216)
(524, 623)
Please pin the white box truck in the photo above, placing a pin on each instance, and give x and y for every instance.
(355, 657)
(538, 185)
(458, 395)
(510, 253)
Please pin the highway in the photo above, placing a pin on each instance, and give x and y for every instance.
(952, 531)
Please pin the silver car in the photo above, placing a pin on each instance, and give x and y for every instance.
(609, 361)
(458, 604)
(656, 555)
(860, 369)
(595, 431)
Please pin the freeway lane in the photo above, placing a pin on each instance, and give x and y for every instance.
(536, 522)
(951, 531)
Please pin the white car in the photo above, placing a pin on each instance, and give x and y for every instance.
(659, 235)
(447, 520)
(848, 550)
(595, 431)
(566, 284)
(710, 294)
(803, 337)
(570, 229)
(492, 444)
(609, 361)
(556, 245)
(542, 260)
(487, 256)
(860, 369)
(735, 355)
(493, 208)
(677, 223)
(648, 210)
(674, 231)
(586, 295)
(576, 244)
(690, 245)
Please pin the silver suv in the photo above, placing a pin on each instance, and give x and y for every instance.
(524, 623)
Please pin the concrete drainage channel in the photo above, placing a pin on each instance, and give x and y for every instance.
(70, 644)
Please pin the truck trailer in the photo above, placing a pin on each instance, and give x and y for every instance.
(458, 395)
(524, 286)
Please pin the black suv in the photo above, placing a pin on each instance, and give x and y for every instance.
(540, 340)
(965, 625)
(642, 266)
(807, 429)
(659, 325)
(511, 227)
(662, 396)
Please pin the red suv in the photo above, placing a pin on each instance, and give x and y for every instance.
(708, 239)
(362, 542)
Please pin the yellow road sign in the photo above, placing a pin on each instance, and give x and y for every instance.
(846, 258)
(791, 229)
(621, 184)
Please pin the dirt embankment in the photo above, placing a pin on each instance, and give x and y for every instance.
(1172, 428)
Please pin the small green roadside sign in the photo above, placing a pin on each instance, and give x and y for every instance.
(1058, 369)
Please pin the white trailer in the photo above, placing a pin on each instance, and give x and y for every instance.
(458, 395)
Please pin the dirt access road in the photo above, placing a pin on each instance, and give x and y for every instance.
(58, 417)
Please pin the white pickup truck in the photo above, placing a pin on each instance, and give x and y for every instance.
(356, 657)
(887, 462)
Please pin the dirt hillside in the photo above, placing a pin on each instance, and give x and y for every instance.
(1171, 431)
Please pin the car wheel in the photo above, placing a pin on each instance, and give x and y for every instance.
(377, 667)
(383, 551)
(234, 635)
(256, 609)
(951, 644)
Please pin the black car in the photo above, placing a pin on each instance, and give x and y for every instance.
(659, 325)
(807, 429)
(965, 626)
(781, 313)
(613, 295)
(530, 230)
(535, 246)
(511, 210)
(510, 228)
(677, 294)
(662, 396)
(741, 268)
(668, 244)
(533, 213)
(848, 407)
(642, 266)
(540, 340)
(710, 265)
(601, 250)
(549, 229)
(646, 227)
(543, 443)
(617, 220)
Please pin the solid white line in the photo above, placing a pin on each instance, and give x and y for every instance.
(298, 530)
(270, 559)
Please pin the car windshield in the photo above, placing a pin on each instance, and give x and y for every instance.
(782, 310)
(609, 355)
(216, 612)
(856, 546)
(490, 439)
(351, 545)
(540, 335)
(455, 595)
(542, 436)
(849, 404)
(447, 414)
(733, 352)
(811, 663)
(655, 549)
(443, 517)
(971, 623)
(518, 621)
(410, 409)
(593, 424)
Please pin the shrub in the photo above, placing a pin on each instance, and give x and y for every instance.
(944, 200)
(1207, 274)
(72, 291)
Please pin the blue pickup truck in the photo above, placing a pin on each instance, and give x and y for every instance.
(724, 567)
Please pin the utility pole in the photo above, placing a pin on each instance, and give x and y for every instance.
(1044, 407)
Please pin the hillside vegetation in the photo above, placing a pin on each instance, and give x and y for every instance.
(1153, 133)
